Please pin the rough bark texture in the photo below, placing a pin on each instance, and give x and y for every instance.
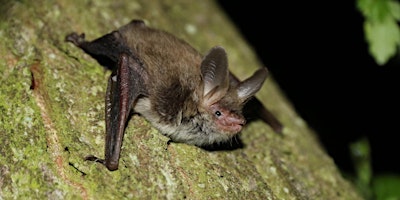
(52, 115)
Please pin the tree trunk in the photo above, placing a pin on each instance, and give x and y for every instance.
(52, 115)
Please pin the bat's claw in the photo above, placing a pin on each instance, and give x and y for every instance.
(95, 159)
(75, 38)
(112, 166)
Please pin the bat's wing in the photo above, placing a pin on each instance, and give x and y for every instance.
(255, 109)
(106, 49)
(125, 85)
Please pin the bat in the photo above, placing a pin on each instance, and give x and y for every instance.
(188, 97)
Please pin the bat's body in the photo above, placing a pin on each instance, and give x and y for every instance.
(188, 97)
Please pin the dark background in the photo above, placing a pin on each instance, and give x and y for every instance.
(317, 53)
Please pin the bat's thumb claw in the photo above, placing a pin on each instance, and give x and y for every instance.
(75, 38)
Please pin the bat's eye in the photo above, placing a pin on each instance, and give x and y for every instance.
(218, 113)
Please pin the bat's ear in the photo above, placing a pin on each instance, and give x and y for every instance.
(214, 70)
(250, 86)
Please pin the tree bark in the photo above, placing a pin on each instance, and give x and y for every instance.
(52, 115)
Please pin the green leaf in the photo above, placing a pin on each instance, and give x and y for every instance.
(394, 7)
(386, 187)
(381, 29)
(374, 10)
(383, 38)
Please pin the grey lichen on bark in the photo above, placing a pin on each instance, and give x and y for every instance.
(52, 115)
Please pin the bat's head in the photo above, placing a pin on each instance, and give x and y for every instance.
(223, 95)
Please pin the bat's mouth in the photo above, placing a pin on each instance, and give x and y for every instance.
(232, 126)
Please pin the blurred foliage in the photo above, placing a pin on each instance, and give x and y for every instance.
(360, 153)
(381, 27)
(372, 186)
(386, 187)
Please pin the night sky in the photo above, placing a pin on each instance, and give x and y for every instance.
(317, 53)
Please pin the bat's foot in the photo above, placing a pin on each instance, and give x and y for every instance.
(95, 159)
(168, 143)
(75, 38)
(112, 166)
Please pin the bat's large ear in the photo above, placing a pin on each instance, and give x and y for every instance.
(250, 86)
(214, 69)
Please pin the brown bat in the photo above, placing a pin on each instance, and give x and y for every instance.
(188, 97)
